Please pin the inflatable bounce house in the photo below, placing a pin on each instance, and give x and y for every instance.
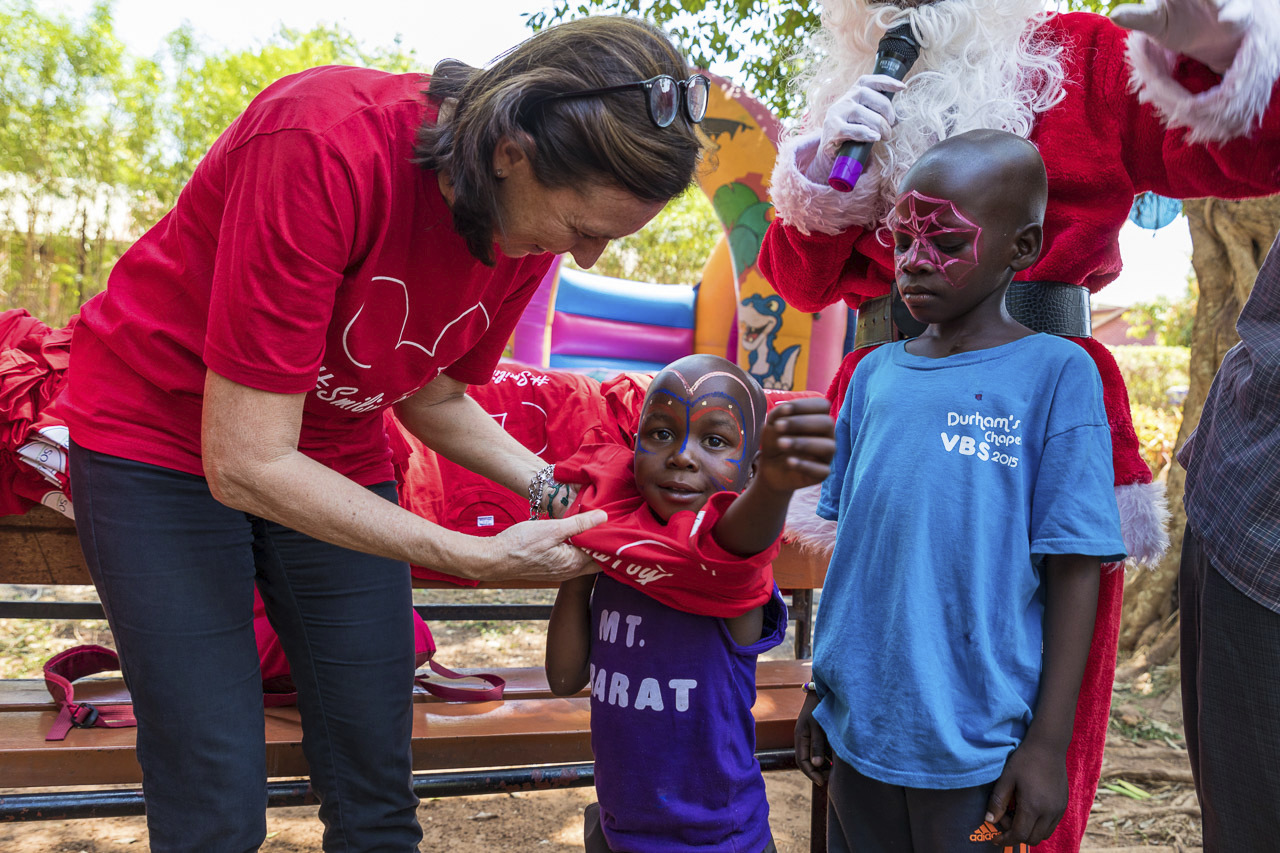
(583, 322)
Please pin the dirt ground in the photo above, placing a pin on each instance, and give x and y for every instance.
(1146, 801)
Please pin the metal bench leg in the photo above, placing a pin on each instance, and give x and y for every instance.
(802, 612)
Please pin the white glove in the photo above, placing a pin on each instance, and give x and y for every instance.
(864, 114)
(1207, 30)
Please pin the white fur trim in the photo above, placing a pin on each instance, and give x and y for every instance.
(805, 528)
(1144, 521)
(804, 205)
(1232, 108)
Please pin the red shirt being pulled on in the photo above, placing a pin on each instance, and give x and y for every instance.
(678, 563)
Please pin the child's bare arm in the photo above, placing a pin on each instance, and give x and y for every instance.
(747, 628)
(796, 448)
(569, 637)
(1035, 776)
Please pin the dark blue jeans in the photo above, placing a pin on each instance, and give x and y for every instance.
(176, 571)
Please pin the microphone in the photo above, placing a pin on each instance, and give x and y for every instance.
(895, 55)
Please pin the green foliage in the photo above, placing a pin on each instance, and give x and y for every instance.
(1157, 430)
(758, 38)
(1151, 371)
(206, 92)
(672, 249)
(754, 42)
(95, 144)
(1171, 319)
(69, 157)
(1102, 7)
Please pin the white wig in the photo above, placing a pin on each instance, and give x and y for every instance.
(983, 64)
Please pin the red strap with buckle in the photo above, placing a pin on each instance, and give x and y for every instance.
(64, 668)
(462, 694)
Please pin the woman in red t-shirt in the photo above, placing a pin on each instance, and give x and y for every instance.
(348, 244)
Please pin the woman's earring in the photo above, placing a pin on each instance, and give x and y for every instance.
(498, 172)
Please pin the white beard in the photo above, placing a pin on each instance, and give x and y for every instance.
(983, 64)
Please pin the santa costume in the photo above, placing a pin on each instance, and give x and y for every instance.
(1114, 113)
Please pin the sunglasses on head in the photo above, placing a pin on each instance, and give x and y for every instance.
(663, 95)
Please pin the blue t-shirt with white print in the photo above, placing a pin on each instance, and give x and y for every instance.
(952, 478)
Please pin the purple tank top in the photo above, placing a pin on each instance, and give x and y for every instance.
(671, 726)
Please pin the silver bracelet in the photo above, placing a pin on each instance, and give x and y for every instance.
(537, 485)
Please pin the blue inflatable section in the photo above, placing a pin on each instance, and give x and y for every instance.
(607, 365)
(628, 301)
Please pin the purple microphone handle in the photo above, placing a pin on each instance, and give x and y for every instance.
(894, 57)
(845, 173)
(851, 162)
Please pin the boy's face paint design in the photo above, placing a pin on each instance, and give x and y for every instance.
(933, 232)
(694, 439)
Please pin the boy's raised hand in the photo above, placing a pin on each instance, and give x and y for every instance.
(797, 444)
(796, 447)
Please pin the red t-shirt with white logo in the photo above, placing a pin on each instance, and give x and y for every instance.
(307, 254)
(677, 563)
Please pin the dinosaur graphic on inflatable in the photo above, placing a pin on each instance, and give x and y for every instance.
(761, 318)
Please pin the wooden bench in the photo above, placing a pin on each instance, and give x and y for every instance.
(529, 740)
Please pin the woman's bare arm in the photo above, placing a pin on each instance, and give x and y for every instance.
(251, 459)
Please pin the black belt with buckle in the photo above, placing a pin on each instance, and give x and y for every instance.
(1051, 307)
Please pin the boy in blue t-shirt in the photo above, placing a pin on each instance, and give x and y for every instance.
(957, 613)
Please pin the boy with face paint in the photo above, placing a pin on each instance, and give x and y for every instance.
(667, 635)
(953, 632)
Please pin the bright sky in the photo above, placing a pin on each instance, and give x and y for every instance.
(1156, 263)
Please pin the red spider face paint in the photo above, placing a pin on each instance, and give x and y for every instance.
(933, 232)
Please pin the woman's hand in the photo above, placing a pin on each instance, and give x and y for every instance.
(538, 550)
(1034, 784)
(813, 758)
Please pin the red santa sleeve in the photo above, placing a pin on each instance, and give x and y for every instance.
(1189, 132)
(812, 271)
(809, 253)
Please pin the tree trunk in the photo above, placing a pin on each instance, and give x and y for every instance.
(1229, 240)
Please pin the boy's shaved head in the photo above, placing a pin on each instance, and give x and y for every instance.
(969, 214)
(991, 172)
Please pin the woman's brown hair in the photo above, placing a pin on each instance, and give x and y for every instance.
(606, 140)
